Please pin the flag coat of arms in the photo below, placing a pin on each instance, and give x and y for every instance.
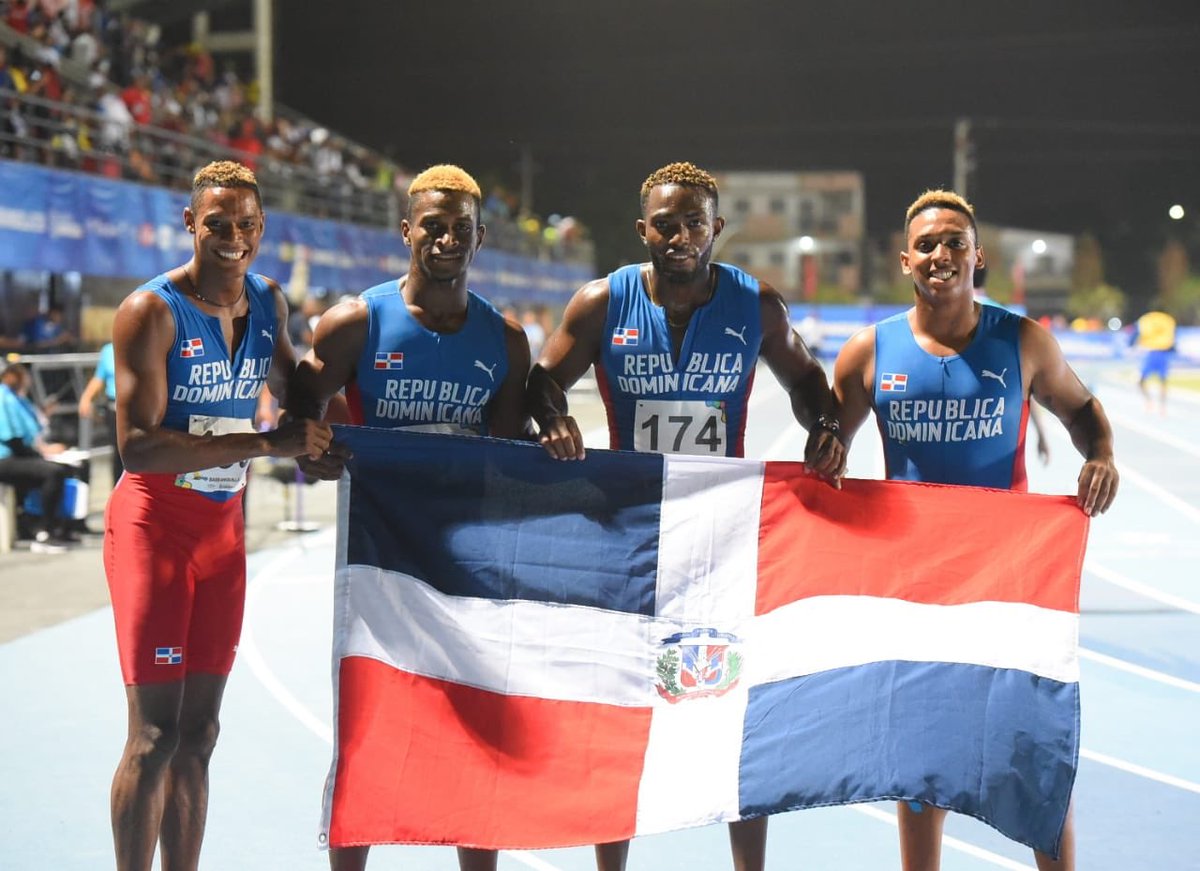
(531, 653)
(895, 382)
(191, 348)
(625, 336)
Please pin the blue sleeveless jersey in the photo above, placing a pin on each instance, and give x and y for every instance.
(409, 376)
(958, 419)
(208, 391)
(696, 404)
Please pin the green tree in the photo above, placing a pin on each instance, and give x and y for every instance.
(1088, 269)
(1183, 303)
(1101, 301)
(1172, 268)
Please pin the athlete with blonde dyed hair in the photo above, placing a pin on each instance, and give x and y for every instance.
(951, 351)
(445, 177)
(675, 343)
(193, 349)
(426, 327)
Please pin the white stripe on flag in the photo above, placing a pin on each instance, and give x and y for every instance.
(708, 541)
(826, 632)
(522, 648)
(578, 653)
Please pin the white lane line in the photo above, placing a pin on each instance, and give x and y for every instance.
(952, 843)
(250, 654)
(1119, 580)
(1139, 670)
(1155, 433)
(1139, 480)
(1139, 770)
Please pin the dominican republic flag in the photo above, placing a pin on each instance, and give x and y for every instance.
(625, 336)
(168, 655)
(191, 348)
(389, 360)
(896, 382)
(531, 653)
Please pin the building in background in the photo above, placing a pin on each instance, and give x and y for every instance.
(801, 232)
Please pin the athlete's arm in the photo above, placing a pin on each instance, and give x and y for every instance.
(566, 356)
(804, 380)
(507, 412)
(88, 397)
(853, 376)
(338, 342)
(143, 338)
(283, 358)
(1055, 385)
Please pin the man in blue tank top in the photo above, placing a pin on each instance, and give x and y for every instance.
(423, 353)
(950, 382)
(193, 348)
(675, 342)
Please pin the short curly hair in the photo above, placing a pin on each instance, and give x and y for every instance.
(224, 174)
(937, 198)
(682, 173)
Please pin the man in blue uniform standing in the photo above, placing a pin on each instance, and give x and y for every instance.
(422, 353)
(194, 347)
(950, 382)
(675, 342)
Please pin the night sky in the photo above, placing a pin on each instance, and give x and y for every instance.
(1086, 115)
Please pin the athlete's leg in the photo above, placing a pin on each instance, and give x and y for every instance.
(612, 856)
(186, 800)
(920, 837)
(1066, 854)
(348, 858)
(137, 787)
(748, 842)
(470, 859)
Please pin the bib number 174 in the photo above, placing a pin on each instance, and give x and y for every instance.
(680, 427)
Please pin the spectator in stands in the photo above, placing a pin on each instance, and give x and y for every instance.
(23, 458)
(47, 332)
(138, 99)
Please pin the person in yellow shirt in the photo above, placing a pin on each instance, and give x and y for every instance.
(1155, 334)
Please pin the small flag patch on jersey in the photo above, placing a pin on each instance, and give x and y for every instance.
(168, 655)
(192, 348)
(894, 382)
(389, 360)
(625, 336)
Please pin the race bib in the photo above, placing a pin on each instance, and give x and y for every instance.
(221, 479)
(680, 427)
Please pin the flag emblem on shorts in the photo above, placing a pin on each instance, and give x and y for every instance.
(168, 655)
(893, 382)
(625, 336)
(389, 360)
(192, 348)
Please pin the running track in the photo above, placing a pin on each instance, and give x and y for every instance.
(1137, 797)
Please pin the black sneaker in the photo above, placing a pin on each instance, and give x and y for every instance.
(43, 543)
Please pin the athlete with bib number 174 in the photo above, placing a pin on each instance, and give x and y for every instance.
(675, 342)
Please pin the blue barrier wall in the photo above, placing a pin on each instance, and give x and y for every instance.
(829, 326)
(67, 222)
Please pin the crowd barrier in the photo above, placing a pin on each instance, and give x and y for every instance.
(61, 221)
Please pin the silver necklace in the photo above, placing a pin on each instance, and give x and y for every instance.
(196, 293)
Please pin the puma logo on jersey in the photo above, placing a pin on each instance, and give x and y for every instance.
(741, 337)
(988, 373)
(267, 334)
(490, 371)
